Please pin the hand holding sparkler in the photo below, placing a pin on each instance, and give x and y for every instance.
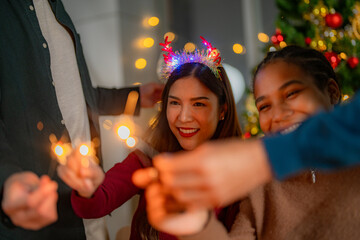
(30, 201)
(81, 173)
(163, 211)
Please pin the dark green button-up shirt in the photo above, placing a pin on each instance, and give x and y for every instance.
(29, 111)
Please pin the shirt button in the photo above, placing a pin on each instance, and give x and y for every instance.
(44, 45)
(31, 7)
(63, 122)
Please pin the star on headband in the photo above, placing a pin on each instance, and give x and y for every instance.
(210, 58)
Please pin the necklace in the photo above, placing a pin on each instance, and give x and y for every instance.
(313, 176)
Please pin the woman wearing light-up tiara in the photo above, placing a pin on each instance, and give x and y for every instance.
(290, 85)
(197, 106)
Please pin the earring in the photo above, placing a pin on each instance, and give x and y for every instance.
(222, 118)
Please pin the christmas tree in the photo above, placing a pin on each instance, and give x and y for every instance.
(329, 26)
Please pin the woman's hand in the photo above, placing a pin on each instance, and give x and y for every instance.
(164, 213)
(81, 173)
(214, 174)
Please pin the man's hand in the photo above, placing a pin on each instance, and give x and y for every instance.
(30, 201)
(150, 94)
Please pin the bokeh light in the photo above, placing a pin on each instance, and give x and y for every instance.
(148, 42)
(170, 35)
(238, 48)
(131, 142)
(263, 37)
(140, 63)
(123, 132)
(153, 21)
(282, 44)
(84, 150)
(107, 124)
(40, 126)
(59, 150)
(343, 55)
(189, 47)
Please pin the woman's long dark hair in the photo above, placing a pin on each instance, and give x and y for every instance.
(161, 137)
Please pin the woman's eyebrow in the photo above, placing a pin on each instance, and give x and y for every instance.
(192, 99)
(199, 98)
(290, 83)
(261, 98)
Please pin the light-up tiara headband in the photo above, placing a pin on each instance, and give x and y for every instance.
(211, 58)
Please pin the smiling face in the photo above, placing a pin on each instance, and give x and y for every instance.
(192, 112)
(285, 95)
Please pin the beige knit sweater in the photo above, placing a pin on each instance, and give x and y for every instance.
(297, 209)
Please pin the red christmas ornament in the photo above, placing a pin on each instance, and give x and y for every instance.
(333, 58)
(353, 62)
(277, 38)
(307, 41)
(247, 135)
(334, 20)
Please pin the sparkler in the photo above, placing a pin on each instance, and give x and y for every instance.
(84, 151)
(62, 150)
(127, 129)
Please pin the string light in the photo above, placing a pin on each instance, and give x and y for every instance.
(148, 42)
(189, 47)
(282, 44)
(238, 48)
(170, 36)
(153, 21)
(140, 63)
(343, 55)
(263, 37)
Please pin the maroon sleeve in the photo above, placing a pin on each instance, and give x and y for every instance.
(116, 189)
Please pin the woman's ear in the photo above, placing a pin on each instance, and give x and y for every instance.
(333, 91)
(223, 111)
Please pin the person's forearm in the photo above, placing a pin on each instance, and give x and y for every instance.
(113, 101)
